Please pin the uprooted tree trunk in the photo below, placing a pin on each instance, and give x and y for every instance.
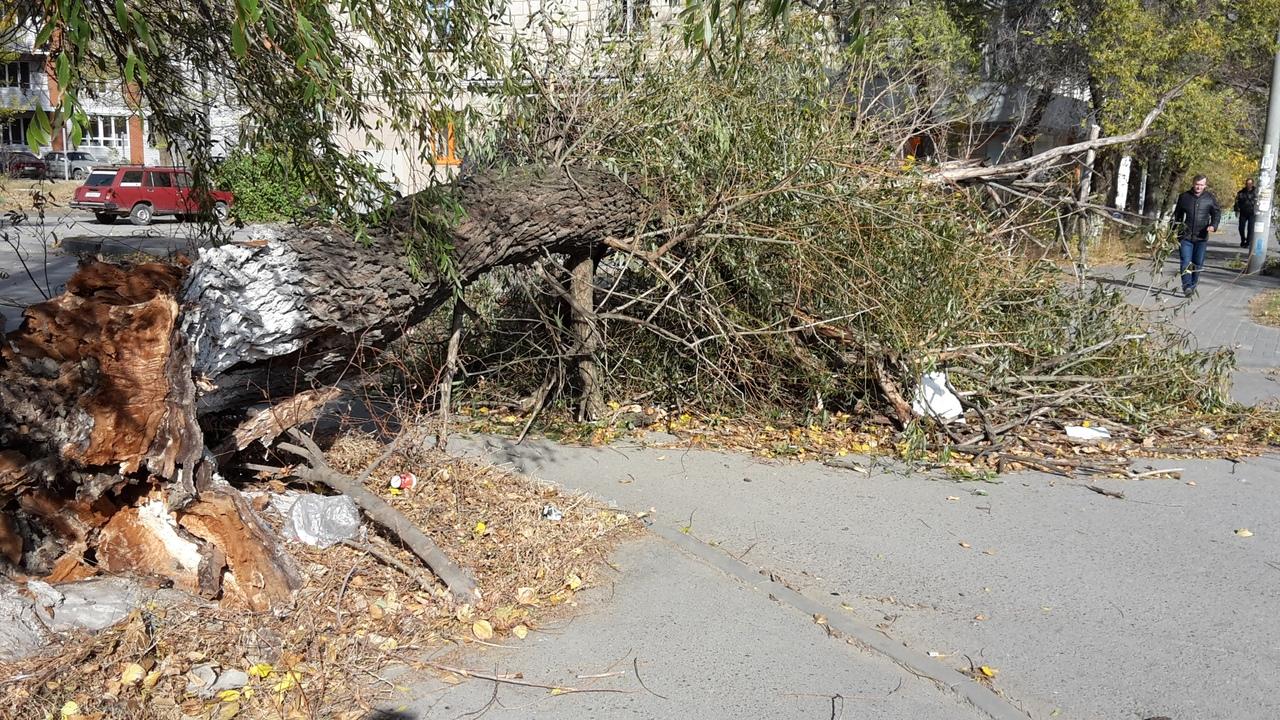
(107, 392)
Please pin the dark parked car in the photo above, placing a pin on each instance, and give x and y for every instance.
(73, 165)
(20, 163)
(141, 193)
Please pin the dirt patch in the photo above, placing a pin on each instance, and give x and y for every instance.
(1264, 308)
(355, 620)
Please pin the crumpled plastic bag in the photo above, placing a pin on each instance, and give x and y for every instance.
(934, 399)
(322, 520)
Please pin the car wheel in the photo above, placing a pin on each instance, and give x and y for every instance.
(141, 214)
(220, 211)
(105, 218)
(77, 174)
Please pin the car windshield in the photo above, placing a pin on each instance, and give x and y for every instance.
(99, 179)
(80, 156)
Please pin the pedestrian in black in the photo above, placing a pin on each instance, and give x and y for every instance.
(1195, 216)
(1246, 206)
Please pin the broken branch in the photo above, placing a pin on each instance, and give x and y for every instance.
(459, 583)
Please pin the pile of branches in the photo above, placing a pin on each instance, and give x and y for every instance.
(792, 261)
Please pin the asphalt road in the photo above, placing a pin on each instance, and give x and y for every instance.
(38, 255)
(1086, 605)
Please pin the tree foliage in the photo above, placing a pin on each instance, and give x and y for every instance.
(312, 74)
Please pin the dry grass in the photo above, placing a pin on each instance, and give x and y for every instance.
(1264, 308)
(329, 654)
(26, 195)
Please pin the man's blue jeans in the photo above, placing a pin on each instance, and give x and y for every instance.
(1191, 255)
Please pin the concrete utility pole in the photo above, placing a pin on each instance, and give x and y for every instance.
(1122, 182)
(1267, 176)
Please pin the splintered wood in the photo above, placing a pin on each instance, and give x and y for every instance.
(97, 415)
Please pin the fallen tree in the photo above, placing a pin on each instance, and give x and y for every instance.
(110, 392)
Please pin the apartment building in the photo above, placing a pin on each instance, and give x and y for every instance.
(118, 128)
(534, 22)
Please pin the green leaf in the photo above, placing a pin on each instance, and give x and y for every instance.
(122, 13)
(144, 31)
(130, 68)
(63, 68)
(239, 43)
(36, 136)
(45, 34)
(77, 132)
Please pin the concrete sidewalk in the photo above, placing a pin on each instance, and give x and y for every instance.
(679, 638)
(1219, 315)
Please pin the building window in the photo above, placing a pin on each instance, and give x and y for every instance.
(14, 132)
(16, 74)
(446, 148)
(107, 131)
(441, 18)
(626, 17)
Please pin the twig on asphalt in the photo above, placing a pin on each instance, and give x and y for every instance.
(635, 665)
(555, 689)
(1103, 491)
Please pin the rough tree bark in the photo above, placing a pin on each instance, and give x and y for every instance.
(107, 391)
(300, 305)
(586, 334)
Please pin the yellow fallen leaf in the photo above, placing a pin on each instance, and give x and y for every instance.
(557, 691)
(229, 695)
(132, 674)
(573, 582)
(482, 629)
(520, 631)
(228, 711)
(395, 492)
(288, 682)
(1244, 532)
(70, 708)
(260, 670)
(989, 671)
(526, 596)
(376, 612)
(820, 619)
(151, 679)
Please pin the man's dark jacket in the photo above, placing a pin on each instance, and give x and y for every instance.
(1246, 202)
(1195, 214)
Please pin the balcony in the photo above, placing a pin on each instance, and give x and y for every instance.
(25, 97)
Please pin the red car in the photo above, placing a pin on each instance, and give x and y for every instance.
(19, 163)
(142, 193)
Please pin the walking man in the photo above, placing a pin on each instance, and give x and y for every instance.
(1195, 215)
(1246, 205)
